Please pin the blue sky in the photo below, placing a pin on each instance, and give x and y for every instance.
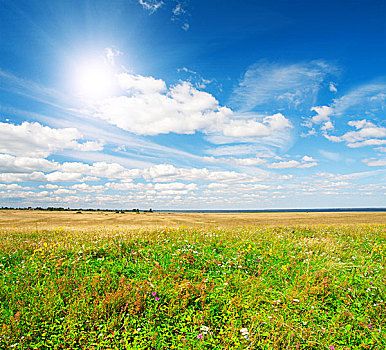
(192, 104)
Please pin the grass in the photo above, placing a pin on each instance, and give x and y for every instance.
(285, 287)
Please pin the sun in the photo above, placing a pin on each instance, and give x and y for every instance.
(93, 79)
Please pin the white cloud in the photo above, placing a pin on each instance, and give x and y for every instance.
(217, 186)
(178, 10)
(111, 53)
(58, 176)
(323, 114)
(235, 150)
(369, 98)
(87, 188)
(168, 173)
(327, 126)
(35, 176)
(375, 162)
(367, 134)
(248, 161)
(282, 85)
(100, 169)
(64, 191)
(333, 88)
(371, 142)
(175, 187)
(248, 128)
(308, 159)
(284, 164)
(310, 132)
(12, 187)
(237, 161)
(12, 164)
(50, 186)
(151, 5)
(306, 162)
(138, 84)
(149, 108)
(183, 110)
(36, 140)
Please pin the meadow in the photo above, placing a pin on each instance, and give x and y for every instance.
(192, 281)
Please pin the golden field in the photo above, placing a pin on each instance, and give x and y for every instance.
(71, 219)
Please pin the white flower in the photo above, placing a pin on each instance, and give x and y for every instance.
(204, 329)
(244, 331)
(296, 300)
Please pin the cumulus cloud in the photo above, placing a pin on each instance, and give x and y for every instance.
(306, 162)
(369, 99)
(333, 88)
(83, 187)
(375, 162)
(12, 164)
(366, 134)
(323, 114)
(248, 128)
(169, 173)
(21, 169)
(36, 140)
(327, 126)
(174, 188)
(100, 169)
(140, 84)
(150, 108)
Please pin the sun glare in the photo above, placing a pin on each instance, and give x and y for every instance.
(93, 80)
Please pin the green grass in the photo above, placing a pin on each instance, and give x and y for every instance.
(315, 287)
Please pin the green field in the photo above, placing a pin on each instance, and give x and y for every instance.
(256, 287)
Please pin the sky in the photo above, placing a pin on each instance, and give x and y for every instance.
(182, 104)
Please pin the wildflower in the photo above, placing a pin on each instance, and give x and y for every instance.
(154, 294)
(369, 325)
(296, 300)
(156, 299)
(204, 329)
(331, 347)
(244, 331)
(199, 336)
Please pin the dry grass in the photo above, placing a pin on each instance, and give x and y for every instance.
(43, 219)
